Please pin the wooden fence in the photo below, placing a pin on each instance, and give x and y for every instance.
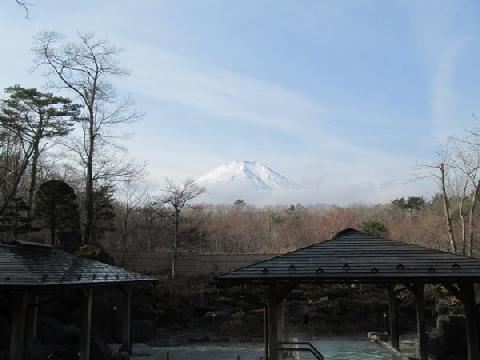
(188, 264)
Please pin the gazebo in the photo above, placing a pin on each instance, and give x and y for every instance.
(29, 270)
(351, 256)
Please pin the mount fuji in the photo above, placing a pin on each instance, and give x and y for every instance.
(247, 180)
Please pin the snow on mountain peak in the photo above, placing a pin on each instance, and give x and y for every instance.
(246, 174)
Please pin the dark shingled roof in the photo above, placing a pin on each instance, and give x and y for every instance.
(31, 265)
(352, 256)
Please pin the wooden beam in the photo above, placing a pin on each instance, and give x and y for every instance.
(393, 314)
(127, 321)
(471, 321)
(422, 339)
(272, 326)
(281, 321)
(265, 330)
(17, 333)
(86, 325)
(276, 320)
(31, 325)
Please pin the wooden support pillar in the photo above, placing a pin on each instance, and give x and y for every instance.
(31, 325)
(272, 329)
(86, 325)
(393, 315)
(422, 339)
(265, 331)
(471, 321)
(127, 321)
(276, 320)
(17, 337)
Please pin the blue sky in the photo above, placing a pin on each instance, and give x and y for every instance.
(343, 96)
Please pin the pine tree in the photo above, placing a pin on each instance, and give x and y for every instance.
(34, 117)
(56, 208)
(103, 211)
(374, 228)
(14, 221)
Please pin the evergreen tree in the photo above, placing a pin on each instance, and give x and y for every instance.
(103, 211)
(415, 202)
(33, 117)
(239, 203)
(400, 202)
(14, 220)
(374, 228)
(57, 209)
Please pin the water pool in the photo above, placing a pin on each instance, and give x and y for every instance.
(331, 350)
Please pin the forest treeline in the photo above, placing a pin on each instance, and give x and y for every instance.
(66, 178)
(243, 228)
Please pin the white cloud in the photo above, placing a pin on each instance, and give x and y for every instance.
(444, 94)
(365, 172)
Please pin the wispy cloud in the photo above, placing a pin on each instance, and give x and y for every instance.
(223, 94)
(444, 94)
(227, 96)
(441, 42)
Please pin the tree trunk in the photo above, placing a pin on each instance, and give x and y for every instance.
(471, 218)
(462, 218)
(16, 182)
(35, 157)
(446, 209)
(124, 237)
(33, 180)
(89, 223)
(175, 245)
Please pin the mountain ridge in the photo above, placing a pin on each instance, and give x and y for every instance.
(246, 173)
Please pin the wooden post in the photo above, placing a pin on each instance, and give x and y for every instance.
(127, 321)
(31, 325)
(265, 330)
(393, 314)
(276, 319)
(272, 327)
(471, 321)
(281, 321)
(422, 339)
(86, 325)
(17, 337)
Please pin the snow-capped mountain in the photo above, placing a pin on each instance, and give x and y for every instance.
(246, 180)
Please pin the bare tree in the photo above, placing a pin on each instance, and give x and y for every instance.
(458, 174)
(86, 68)
(465, 160)
(441, 171)
(176, 197)
(132, 197)
(26, 6)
